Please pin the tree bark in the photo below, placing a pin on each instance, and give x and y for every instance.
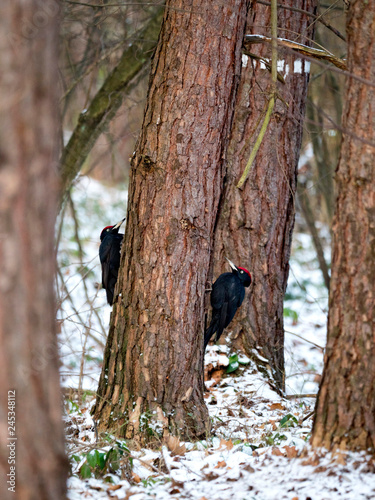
(255, 224)
(31, 431)
(345, 409)
(152, 362)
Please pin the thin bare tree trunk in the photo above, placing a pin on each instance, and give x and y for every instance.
(308, 214)
(345, 409)
(107, 101)
(255, 225)
(31, 431)
(153, 356)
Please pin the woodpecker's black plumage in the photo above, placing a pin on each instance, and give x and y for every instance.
(227, 295)
(109, 254)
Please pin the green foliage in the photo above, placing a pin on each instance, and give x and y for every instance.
(85, 471)
(290, 313)
(149, 426)
(297, 289)
(275, 439)
(288, 421)
(72, 406)
(86, 272)
(215, 417)
(98, 463)
(235, 362)
(150, 482)
(97, 359)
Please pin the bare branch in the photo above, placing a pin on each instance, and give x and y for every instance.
(107, 101)
(319, 18)
(299, 47)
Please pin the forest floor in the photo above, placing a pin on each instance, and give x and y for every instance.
(259, 446)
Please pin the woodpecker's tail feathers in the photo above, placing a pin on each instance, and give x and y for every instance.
(208, 334)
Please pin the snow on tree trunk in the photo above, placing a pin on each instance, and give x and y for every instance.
(153, 355)
(345, 409)
(29, 374)
(255, 224)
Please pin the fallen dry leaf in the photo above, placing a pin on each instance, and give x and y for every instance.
(220, 465)
(174, 446)
(215, 373)
(174, 491)
(291, 451)
(211, 476)
(276, 406)
(226, 444)
(273, 423)
(136, 478)
(277, 452)
(321, 468)
(248, 468)
(114, 487)
(311, 461)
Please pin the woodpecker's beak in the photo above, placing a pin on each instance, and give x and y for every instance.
(232, 265)
(117, 226)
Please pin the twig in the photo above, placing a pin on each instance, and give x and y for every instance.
(299, 396)
(265, 62)
(301, 48)
(80, 256)
(308, 341)
(310, 414)
(319, 18)
(69, 297)
(308, 213)
(305, 372)
(82, 365)
(106, 102)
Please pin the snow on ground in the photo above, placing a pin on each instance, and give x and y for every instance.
(259, 443)
(84, 313)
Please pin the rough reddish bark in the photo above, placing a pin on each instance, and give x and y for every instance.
(255, 225)
(28, 189)
(153, 355)
(345, 409)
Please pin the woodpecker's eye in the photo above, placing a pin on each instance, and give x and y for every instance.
(241, 271)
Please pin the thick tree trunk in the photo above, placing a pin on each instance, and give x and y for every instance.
(153, 356)
(345, 409)
(255, 224)
(31, 431)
